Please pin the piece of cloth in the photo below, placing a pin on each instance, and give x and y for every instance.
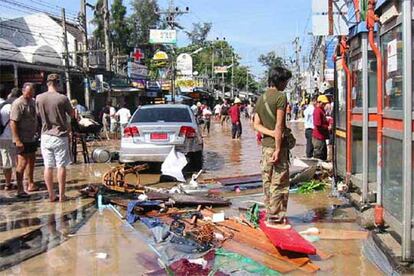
(277, 101)
(80, 108)
(233, 264)
(55, 151)
(309, 143)
(308, 116)
(8, 155)
(234, 113)
(320, 130)
(23, 112)
(54, 110)
(275, 183)
(124, 115)
(130, 215)
(236, 130)
(320, 149)
(5, 121)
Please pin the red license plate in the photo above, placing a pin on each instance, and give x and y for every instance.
(159, 136)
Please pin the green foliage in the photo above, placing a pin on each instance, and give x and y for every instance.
(311, 186)
(98, 21)
(270, 60)
(143, 18)
(119, 27)
(199, 33)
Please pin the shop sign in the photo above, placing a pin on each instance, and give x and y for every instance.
(220, 69)
(160, 56)
(163, 37)
(185, 65)
(137, 71)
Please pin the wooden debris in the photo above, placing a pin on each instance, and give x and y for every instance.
(114, 179)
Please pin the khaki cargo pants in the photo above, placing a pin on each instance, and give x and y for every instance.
(275, 183)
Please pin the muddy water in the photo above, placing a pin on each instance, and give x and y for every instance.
(103, 246)
(226, 157)
(125, 253)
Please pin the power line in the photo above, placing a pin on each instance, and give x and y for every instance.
(23, 7)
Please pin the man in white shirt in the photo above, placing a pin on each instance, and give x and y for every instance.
(123, 116)
(217, 111)
(308, 115)
(7, 148)
(207, 119)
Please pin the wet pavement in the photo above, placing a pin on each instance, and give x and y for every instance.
(73, 238)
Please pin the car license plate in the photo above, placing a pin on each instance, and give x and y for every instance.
(159, 136)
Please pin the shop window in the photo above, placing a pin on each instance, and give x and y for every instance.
(356, 150)
(341, 156)
(341, 115)
(393, 176)
(357, 88)
(391, 45)
(372, 154)
(372, 80)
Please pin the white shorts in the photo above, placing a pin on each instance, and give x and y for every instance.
(55, 151)
(7, 155)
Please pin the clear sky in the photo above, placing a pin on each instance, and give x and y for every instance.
(252, 27)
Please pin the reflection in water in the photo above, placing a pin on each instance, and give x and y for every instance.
(52, 233)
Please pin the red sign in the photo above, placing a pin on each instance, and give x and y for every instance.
(138, 55)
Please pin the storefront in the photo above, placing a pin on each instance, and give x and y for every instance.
(390, 177)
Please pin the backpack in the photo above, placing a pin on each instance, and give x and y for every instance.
(3, 127)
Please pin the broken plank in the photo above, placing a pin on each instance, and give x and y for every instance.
(192, 200)
(259, 256)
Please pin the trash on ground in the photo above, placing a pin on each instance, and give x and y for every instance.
(174, 164)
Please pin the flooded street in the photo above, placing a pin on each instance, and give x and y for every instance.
(74, 238)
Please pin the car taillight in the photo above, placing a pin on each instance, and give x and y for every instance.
(188, 132)
(131, 131)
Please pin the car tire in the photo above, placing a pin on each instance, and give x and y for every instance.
(195, 161)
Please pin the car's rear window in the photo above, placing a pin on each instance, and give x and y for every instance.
(168, 115)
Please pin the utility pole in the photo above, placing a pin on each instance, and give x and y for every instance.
(232, 76)
(107, 37)
(171, 15)
(212, 69)
(85, 56)
(297, 66)
(65, 44)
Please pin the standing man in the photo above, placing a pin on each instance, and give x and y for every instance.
(321, 129)
(308, 115)
(123, 115)
(54, 109)
(224, 112)
(23, 123)
(7, 148)
(236, 127)
(271, 122)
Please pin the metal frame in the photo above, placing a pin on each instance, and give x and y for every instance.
(407, 136)
(364, 44)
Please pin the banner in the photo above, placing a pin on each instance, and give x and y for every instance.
(185, 65)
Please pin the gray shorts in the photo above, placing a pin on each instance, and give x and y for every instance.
(7, 155)
(55, 151)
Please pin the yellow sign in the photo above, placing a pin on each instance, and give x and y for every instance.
(160, 56)
(340, 133)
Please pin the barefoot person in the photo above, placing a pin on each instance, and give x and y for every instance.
(23, 124)
(270, 121)
(53, 109)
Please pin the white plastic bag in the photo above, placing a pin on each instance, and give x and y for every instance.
(174, 164)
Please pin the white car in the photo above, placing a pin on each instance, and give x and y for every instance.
(155, 129)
